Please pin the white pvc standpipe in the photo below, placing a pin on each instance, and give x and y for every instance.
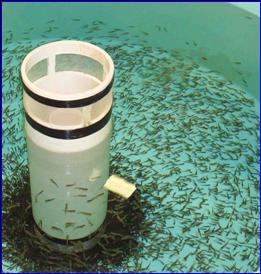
(68, 128)
(62, 182)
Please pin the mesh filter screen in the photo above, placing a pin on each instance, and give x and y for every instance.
(38, 71)
(77, 62)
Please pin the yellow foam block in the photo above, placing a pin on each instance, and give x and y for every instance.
(120, 186)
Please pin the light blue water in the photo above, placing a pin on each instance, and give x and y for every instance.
(184, 134)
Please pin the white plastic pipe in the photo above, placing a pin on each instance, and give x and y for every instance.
(68, 129)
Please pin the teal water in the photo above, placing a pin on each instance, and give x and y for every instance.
(186, 135)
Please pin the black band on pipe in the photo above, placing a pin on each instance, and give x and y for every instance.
(69, 104)
(69, 134)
